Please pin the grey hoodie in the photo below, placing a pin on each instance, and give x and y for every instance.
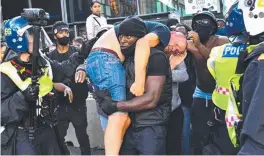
(179, 74)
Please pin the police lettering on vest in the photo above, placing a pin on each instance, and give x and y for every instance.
(232, 51)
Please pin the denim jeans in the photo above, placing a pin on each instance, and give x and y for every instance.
(186, 131)
(106, 72)
(144, 141)
(104, 122)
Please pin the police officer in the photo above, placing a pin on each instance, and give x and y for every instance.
(224, 66)
(18, 94)
(252, 134)
(75, 112)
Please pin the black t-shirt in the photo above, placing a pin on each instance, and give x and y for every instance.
(80, 91)
(157, 66)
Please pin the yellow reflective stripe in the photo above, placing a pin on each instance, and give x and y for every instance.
(210, 66)
(261, 57)
(49, 69)
(213, 56)
(252, 47)
(8, 69)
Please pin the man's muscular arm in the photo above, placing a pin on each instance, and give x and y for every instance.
(206, 51)
(142, 53)
(154, 87)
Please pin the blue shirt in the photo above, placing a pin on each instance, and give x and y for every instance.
(161, 30)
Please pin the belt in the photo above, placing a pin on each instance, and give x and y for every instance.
(104, 50)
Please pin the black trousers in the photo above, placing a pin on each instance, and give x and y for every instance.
(201, 111)
(144, 141)
(201, 114)
(78, 117)
(174, 132)
(44, 143)
(221, 138)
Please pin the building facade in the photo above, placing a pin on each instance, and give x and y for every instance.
(78, 10)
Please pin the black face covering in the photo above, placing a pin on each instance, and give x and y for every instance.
(205, 27)
(63, 41)
(130, 51)
(204, 33)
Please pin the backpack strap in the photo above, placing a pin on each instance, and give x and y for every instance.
(96, 21)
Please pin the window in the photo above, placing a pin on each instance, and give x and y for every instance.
(108, 11)
(159, 7)
(164, 8)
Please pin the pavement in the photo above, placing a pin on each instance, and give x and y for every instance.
(77, 151)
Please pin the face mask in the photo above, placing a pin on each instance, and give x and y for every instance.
(63, 41)
(204, 33)
(130, 51)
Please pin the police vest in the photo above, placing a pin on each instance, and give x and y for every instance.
(45, 81)
(222, 65)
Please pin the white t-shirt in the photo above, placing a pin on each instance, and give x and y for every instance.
(93, 23)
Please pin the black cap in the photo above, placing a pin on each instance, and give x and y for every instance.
(133, 26)
(205, 14)
(59, 26)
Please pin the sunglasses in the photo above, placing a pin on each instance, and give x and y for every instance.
(204, 22)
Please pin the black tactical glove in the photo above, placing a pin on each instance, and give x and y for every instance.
(105, 102)
(87, 47)
(31, 93)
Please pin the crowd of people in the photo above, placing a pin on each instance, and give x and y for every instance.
(160, 89)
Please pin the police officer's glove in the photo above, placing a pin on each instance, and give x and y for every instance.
(105, 102)
(31, 93)
(87, 47)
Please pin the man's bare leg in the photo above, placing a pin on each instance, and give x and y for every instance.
(115, 131)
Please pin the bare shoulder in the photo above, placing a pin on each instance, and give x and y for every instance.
(222, 40)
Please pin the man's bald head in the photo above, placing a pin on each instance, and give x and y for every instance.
(177, 44)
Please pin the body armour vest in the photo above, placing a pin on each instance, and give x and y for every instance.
(158, 115)
(224, 59)
(22, 80)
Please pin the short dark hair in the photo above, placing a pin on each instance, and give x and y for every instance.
(57, 24)
(78, 39)
(3, 44)
(171, 22)
(93, 2)
(185, 26)
(220, 20)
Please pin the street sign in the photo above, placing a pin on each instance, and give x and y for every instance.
(194, 6)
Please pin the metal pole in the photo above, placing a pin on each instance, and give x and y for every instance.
(178, 5)
(65, 12)
(75, 30)
(62, 11)
(138, 8)
(29, 3)
(72, 10)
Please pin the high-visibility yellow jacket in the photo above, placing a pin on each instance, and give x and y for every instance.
(45, 81)
(222, 64)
